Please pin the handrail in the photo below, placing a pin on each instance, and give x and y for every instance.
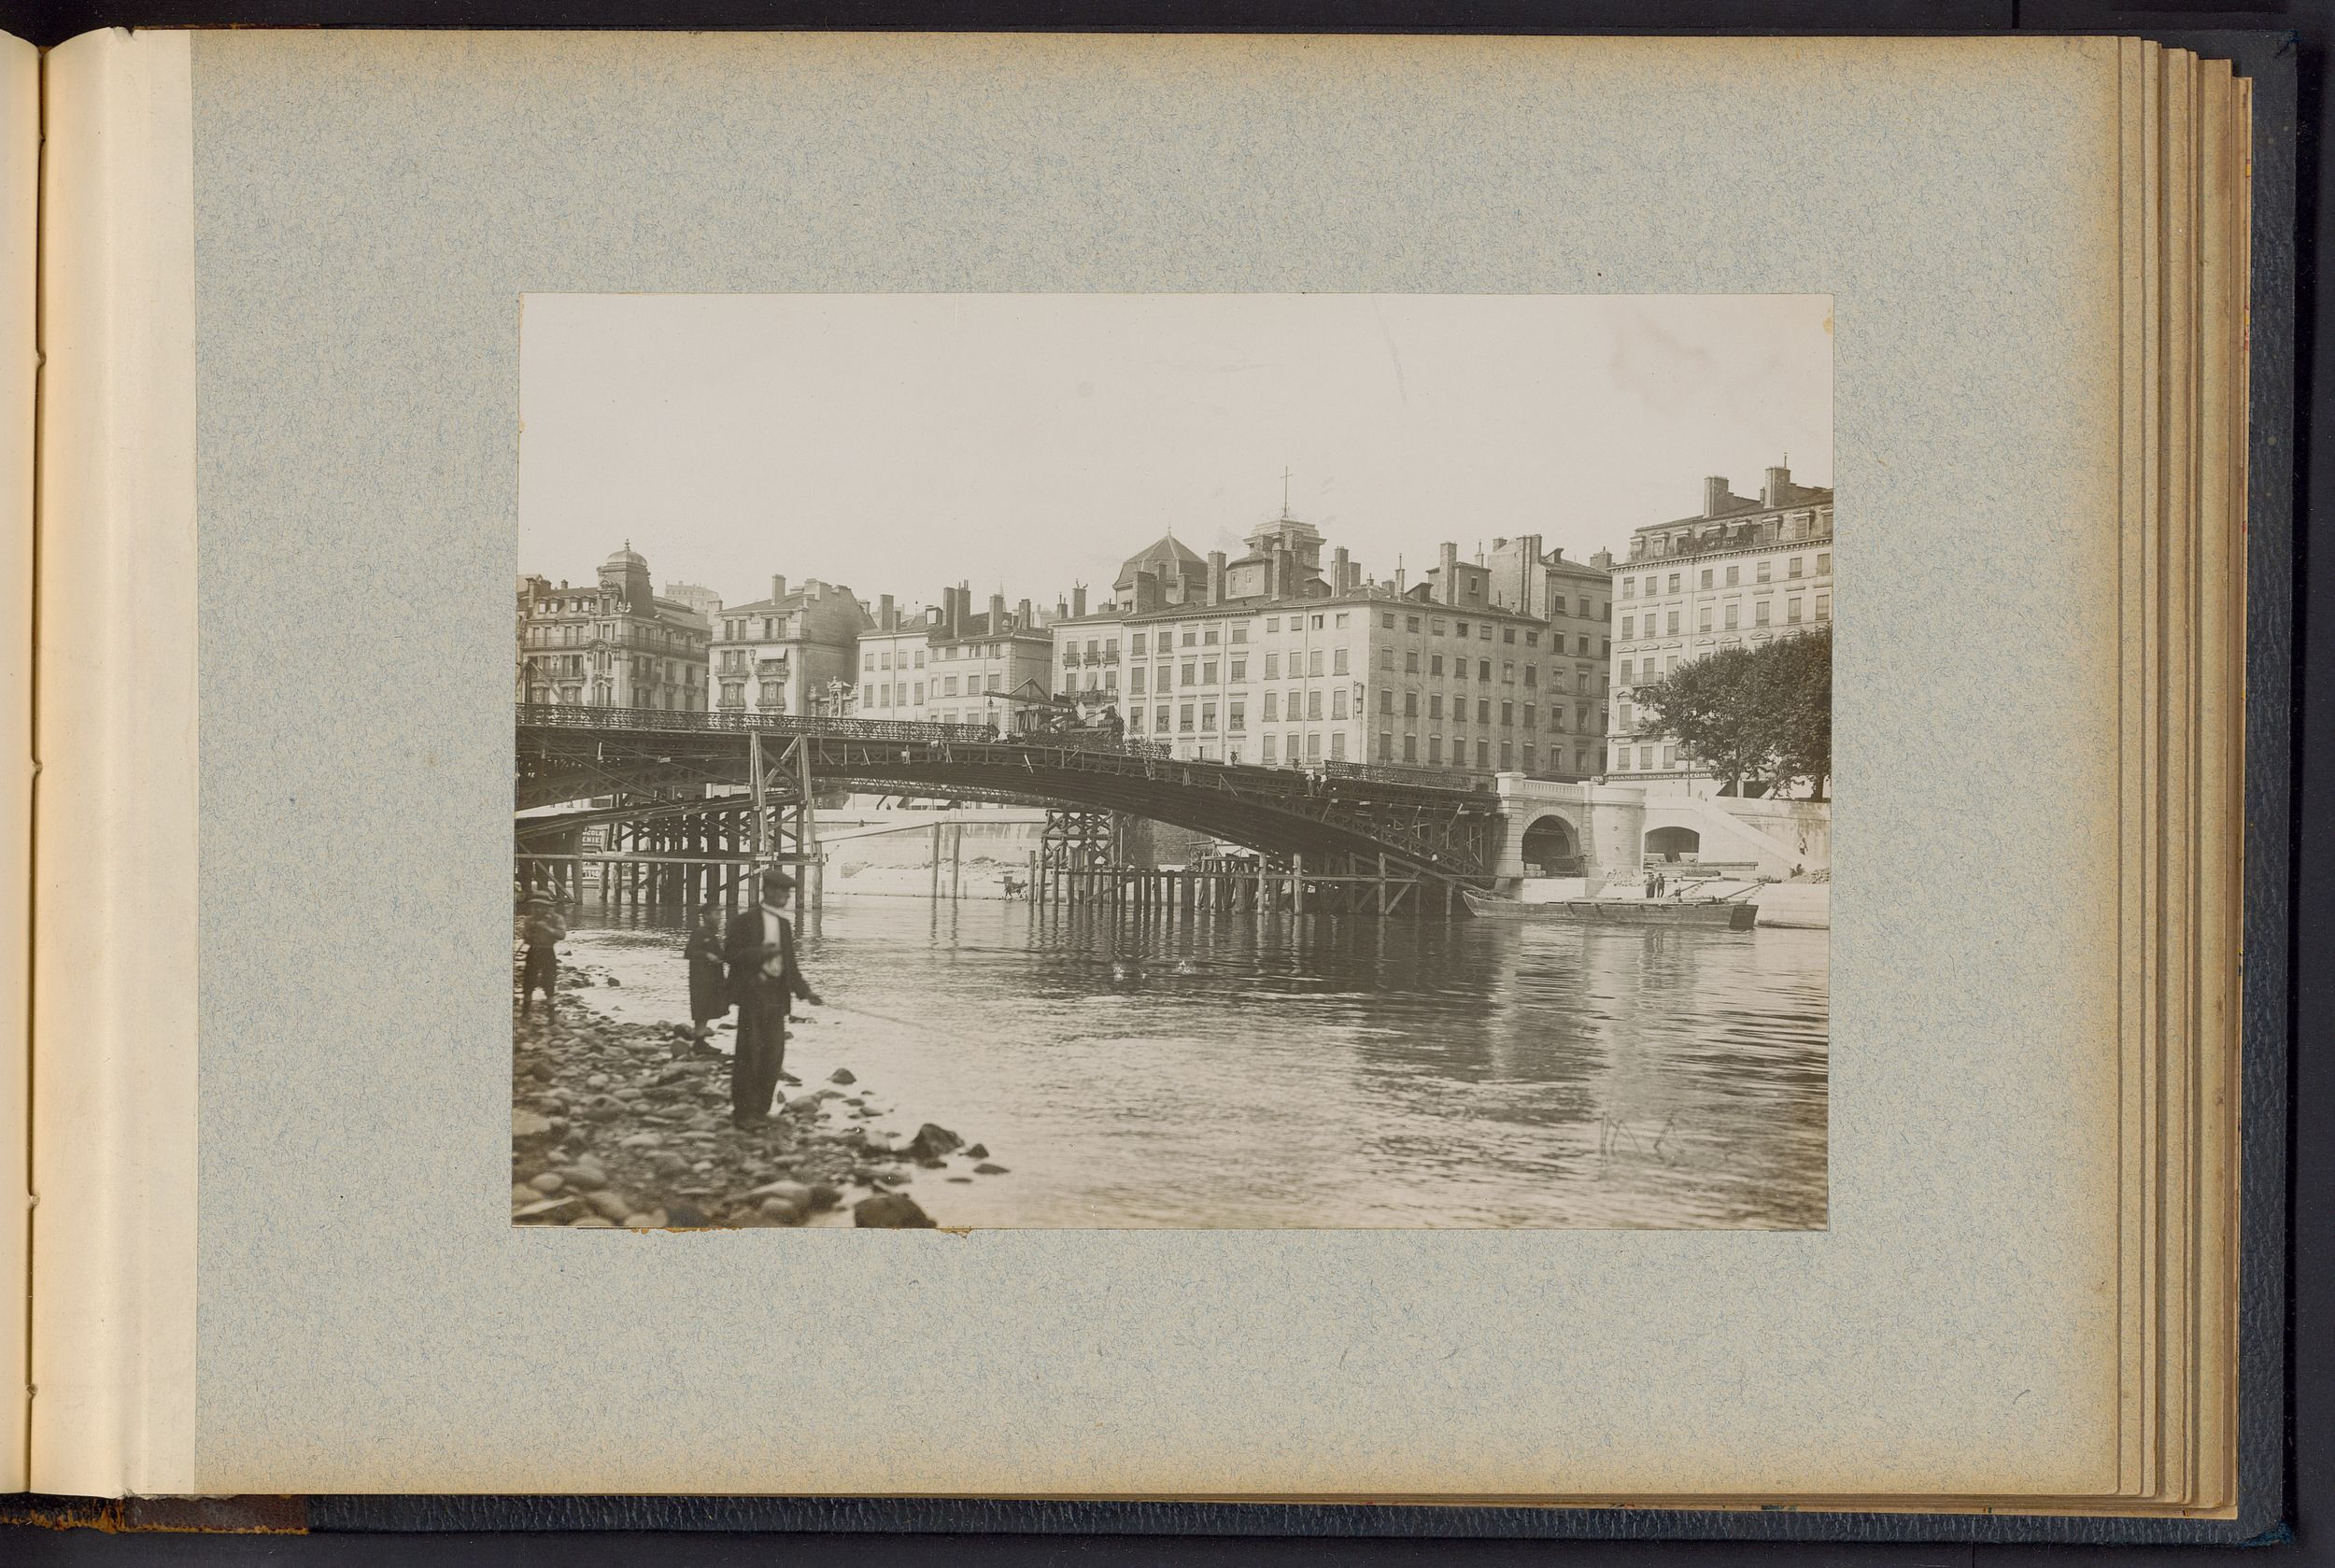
(579, 715)
(1383, 772)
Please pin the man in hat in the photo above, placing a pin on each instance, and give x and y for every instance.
(544, 930)
(763, 981)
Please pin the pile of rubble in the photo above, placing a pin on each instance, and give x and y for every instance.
(627, 1125)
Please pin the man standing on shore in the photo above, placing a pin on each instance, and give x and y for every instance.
(543, 931)
(764, 982)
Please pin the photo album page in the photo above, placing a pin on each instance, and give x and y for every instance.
(1284, 768)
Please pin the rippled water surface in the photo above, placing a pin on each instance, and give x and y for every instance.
(1267, 1071)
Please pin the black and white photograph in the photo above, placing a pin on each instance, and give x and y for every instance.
(1186, 761)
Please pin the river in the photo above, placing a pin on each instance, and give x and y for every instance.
(1255, 1071)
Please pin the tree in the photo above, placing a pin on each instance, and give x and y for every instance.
(1711, 707)
(1752, 712)
(1800, 701)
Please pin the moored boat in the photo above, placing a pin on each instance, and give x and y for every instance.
(1726, 914)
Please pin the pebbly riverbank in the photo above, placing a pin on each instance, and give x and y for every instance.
(618, 1124)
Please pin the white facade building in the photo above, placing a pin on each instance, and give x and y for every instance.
(1741, 573)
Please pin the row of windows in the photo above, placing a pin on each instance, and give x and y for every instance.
(1139, 643)
(1434, 626)
(1762, 613)
(772, 695)
(1313, 705)
(883, 659)
(604, 695)
(590, 605)
(1633, 674)
(1200, 718)
(1302, 748)
(1584, 715)
(1648, 759)
(1800, 525)
(1204, 672)
(577, 634)
(644, 670)
(1482, 757)
(903, 693)
(1763, 571)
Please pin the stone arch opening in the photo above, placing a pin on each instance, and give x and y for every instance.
(1550, 849)
(1672, 843)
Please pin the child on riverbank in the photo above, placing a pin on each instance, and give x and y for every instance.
(709, 981)
(544, 930)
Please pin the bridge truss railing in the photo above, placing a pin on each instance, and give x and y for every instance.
(1431, 778)
(577, 715)
(1433, 822)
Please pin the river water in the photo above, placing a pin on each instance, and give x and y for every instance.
(1231, 1070)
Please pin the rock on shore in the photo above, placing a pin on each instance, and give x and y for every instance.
(890, 1211)
(609, 1128)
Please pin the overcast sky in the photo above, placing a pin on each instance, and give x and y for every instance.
(1025, 442)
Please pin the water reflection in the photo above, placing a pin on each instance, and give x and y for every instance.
(1238, 1071)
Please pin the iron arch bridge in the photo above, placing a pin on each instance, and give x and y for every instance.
(648, 764)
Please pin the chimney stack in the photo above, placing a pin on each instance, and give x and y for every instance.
(997, 615)
(887, 613)
(1778, 486)
(1530, 582)
(1022, 621)
(1078, 601)
(1216, 576)
(778, 587)
(1340, 571)
(1714, 495)
(1061, 608)
(1446, 580)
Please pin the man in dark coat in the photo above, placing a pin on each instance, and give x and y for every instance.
(764, 982)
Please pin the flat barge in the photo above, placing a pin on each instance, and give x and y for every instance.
(1723, 914)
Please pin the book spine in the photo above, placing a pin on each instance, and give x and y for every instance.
(20, 371)
(112, 1341)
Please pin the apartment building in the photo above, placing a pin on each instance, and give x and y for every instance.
(1742, 572)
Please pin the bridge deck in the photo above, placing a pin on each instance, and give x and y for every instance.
(574, 752)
